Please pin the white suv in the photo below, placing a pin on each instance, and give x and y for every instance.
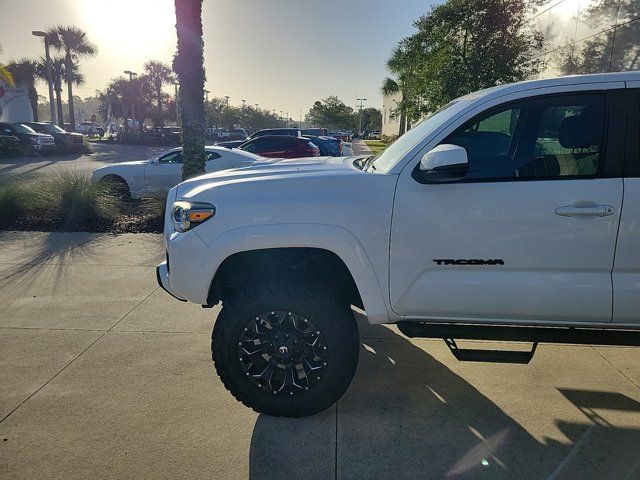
(512, 213)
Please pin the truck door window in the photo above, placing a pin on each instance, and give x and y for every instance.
(541, 138)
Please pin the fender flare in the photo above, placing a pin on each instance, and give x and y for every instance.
(332, 238)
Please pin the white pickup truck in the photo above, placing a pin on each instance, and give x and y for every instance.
(510, 214)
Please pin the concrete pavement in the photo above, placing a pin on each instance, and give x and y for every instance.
(359, 147)
(103, 375)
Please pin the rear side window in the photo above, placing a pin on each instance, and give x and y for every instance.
(541, 138)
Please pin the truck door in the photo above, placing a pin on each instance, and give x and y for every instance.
(529, 232)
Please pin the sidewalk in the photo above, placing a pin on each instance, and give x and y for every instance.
(103, 375)
(359, 147)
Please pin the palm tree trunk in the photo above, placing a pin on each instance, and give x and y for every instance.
(69, 71)
(160, 119)
(58, 89)
(188, 64)
(33, 100)
(403, 118)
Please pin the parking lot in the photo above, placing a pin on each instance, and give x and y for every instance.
(106, 376)
(104, 153)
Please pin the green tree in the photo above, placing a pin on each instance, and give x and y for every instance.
(595, 54)
(462, 46)
(75, 44)
(25, 71)
(391, 87)
(371, 119)
(189, 65)
(160, 74)
(331, 113)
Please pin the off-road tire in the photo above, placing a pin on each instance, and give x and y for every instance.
(333, 317)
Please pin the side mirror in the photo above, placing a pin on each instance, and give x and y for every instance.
(444, 162)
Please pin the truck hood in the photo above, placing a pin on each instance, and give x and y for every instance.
(263, 169)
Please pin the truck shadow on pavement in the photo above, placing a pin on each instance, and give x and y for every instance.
(407, 415)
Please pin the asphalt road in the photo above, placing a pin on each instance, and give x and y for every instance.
(104, 375)
(103, 154)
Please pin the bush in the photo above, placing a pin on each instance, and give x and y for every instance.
(12, 202)
(62, 200)
(72, 201)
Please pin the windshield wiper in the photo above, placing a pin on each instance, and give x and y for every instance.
(368, 162)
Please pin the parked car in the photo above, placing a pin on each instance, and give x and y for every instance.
(10, 146)
(90, 129)
(499, 217)
(293, 132)
(374, 135)
(345, 137)
(328, 146)
(281, 146)
(315, 132)
(66, 142)
(144, 177)
(30, 140)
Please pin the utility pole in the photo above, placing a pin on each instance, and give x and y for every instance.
(133, 108)
(52, 107)
(361, 100)
(206, 95)
(226, 99)
(175, 84)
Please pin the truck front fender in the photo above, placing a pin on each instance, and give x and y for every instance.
(332, 238)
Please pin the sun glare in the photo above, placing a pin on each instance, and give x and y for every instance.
(134, 29)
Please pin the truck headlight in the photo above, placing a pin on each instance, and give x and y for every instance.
(186, 215)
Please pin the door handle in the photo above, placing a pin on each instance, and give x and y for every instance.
(585, 210)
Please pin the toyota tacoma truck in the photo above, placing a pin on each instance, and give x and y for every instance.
(512, 213)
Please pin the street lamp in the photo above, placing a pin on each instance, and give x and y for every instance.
(39, 33)
(133, 109)
(361, 100)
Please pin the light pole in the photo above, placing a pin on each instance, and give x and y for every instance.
(39, 33)
(133, 108)
(361, 100)
(175, 84)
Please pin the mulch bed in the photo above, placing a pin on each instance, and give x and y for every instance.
(132, 219)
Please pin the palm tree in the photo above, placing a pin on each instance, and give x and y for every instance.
(160, 74)
(75, 44)
(189, 65)
(5, 75)
(58, 74)
(391, 87)
(24, 71)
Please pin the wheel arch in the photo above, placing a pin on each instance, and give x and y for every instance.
(342, 252)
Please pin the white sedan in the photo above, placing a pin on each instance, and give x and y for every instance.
(143, 177)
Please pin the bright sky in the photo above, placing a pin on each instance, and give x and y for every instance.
(280, 54)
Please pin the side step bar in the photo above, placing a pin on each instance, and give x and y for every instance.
(570, 335)
(494, 356)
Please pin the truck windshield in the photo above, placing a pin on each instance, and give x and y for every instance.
(395, 152)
